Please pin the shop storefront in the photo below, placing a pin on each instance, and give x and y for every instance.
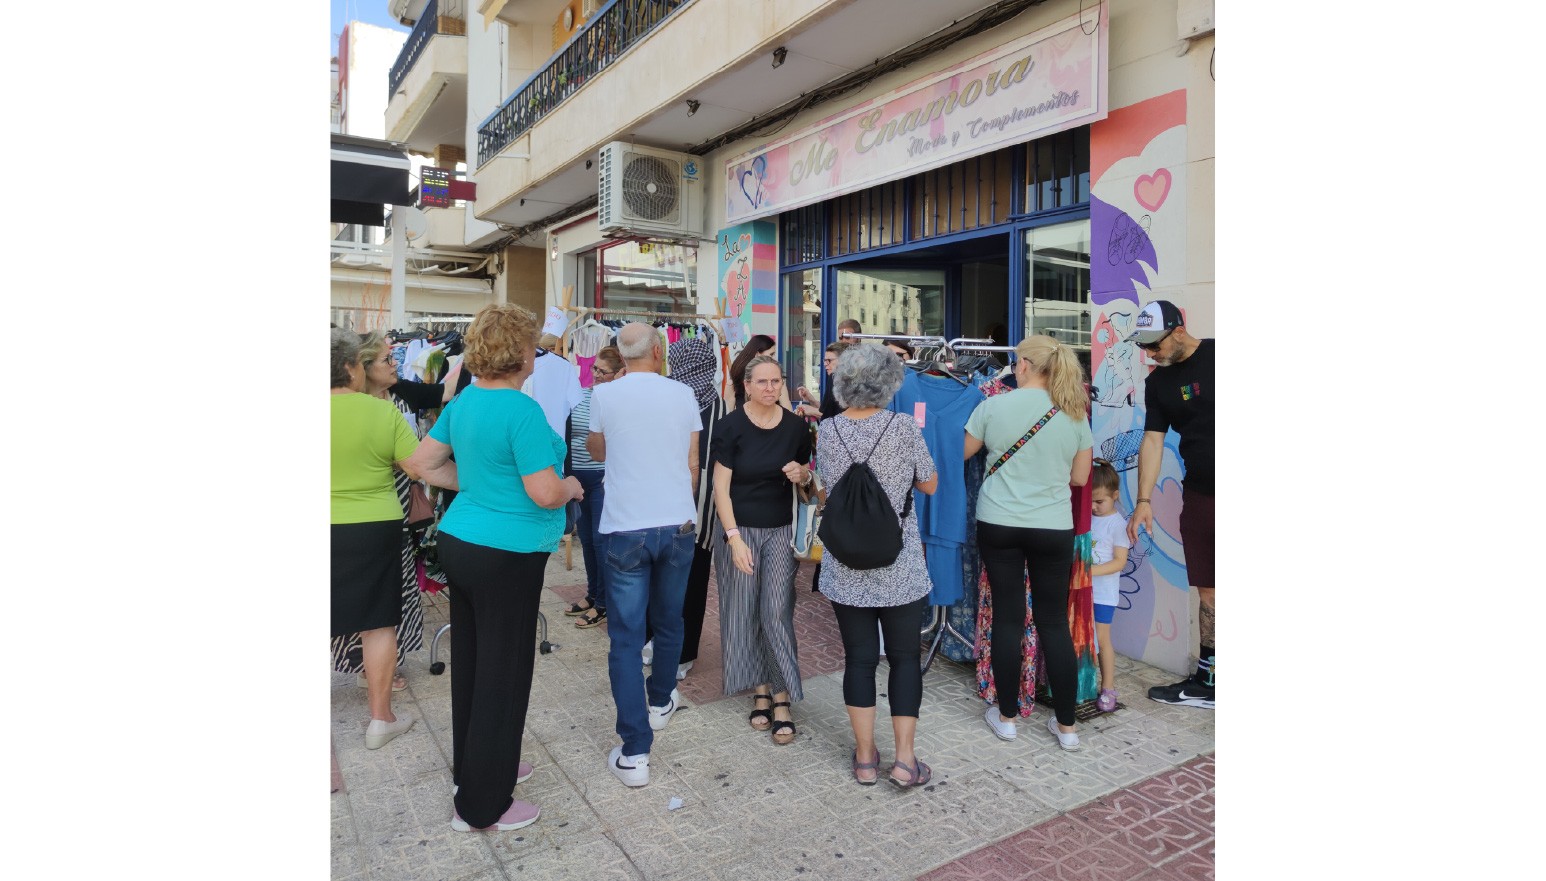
(1000, 195)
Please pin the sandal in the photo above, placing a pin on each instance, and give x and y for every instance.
(590, 618)
(766, 715)
(866, 766)
(919, 772)
(783, 730)
(577, 609)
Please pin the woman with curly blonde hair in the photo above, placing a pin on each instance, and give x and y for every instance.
(494, 543)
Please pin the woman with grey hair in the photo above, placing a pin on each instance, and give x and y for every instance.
(894, 596)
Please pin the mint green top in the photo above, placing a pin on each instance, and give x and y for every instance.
(1031, 490)
(368, 436)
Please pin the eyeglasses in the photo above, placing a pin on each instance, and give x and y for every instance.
(1154, 346)
(767, 383)
(601, 371)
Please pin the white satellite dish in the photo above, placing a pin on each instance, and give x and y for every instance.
(415, 223)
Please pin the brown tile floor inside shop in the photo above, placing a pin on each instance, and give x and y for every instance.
(1135, 802)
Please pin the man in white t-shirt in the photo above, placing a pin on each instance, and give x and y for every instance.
(645, 428)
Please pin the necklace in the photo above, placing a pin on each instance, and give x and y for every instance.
(777, 416)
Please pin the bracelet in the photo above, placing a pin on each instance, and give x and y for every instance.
(1142, 501)
(732, 533)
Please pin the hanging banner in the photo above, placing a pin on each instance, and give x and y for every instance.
(1044, 82)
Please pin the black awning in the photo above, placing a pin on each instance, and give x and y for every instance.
(367, 175)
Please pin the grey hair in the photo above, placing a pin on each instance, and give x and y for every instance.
(346, 351)
(636, 340)
(866, 376)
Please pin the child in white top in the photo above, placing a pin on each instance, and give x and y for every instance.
(1108, 534)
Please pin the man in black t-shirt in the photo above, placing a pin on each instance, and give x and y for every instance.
(1179, 394)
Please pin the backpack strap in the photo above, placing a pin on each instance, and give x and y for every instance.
(1015, 447)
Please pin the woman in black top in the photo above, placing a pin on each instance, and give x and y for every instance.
(760, 450)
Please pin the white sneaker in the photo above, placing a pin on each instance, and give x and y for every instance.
(1069, 742)
(1004, 730)
(632, 770)
(380, 733)
(681, 670)
(661, 716)
(649, 653)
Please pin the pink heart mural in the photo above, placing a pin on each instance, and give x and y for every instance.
(1151, 189)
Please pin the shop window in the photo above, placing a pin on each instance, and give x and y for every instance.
(1057, 170)
(1058, 275)
(802, 235)
(802, 329)
(968, 194)
(912, 303)
(648, 277)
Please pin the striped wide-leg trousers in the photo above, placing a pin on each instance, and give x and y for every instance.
(756, 613)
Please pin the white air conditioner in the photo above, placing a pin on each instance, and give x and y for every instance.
(649, 192)
(589, 7)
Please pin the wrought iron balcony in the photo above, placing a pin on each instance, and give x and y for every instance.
(426, 28)
(599, 42)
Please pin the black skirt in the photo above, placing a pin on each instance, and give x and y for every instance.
(367, 576)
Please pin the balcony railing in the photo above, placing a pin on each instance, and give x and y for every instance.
(427, 27)
(609, 33)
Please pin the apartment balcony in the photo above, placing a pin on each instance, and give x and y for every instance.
(428, 82)
(629, 72)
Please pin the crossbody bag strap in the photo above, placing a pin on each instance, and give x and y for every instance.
(1024, 439)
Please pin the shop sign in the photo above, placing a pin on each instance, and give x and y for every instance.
(1045, 82)
(435, 187)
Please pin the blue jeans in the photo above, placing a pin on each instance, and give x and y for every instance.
(646, 581)
(592, 542)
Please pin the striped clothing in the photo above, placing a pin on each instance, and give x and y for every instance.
(756, 613)
(579, 432)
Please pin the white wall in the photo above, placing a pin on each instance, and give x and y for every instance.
(485, 60)
(372, 50)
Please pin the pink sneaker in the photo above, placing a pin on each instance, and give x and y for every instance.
(519, 815)
(523, 772)
(1107, 700)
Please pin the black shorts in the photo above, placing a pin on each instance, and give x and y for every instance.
(1197, 536)
(367, 561)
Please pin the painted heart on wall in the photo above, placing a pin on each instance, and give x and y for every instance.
(1151, 189)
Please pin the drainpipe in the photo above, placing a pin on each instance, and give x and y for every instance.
(399, 269)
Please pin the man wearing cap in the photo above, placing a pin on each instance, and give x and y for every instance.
(1179, 394)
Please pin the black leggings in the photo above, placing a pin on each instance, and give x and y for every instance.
(861, 654)
(1011, 554)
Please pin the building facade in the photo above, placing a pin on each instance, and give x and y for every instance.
(956, 168)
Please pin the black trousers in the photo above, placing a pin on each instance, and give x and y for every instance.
(861, 654)
(494, 597)
(1011, 554)
(694, 603)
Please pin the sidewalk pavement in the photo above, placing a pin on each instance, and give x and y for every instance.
(1136, 802)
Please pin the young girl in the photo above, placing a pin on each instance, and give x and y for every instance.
(1108, 533)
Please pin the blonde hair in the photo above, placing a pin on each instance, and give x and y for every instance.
(611, 357)
(1047, 357)
(548, 341)
(372, 344)
(499, 341)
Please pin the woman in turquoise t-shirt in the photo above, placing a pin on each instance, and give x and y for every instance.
(1025, 527)
(494, 543)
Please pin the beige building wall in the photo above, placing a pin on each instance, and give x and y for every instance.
(524, 281)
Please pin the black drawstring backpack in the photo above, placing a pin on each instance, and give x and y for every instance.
(858, 526)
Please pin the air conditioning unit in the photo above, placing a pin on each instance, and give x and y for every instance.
(648, 192)
(589, 7)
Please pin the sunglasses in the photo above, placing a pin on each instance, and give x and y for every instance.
(1154, 346)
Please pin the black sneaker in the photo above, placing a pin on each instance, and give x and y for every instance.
(1186, 693)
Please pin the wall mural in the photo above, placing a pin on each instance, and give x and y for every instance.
(1138, 254)
(746, 267)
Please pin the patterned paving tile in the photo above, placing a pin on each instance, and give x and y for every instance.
(1173, 787)
(1067, 848)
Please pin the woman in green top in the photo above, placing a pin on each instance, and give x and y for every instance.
(368, 438)
(1025, 525)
